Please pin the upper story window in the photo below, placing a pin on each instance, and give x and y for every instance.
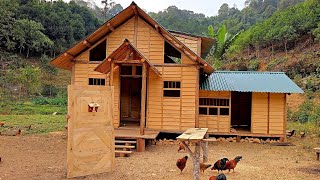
(171, 88)
(171, 54)
(99, 52)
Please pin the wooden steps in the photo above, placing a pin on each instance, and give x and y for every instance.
(123, 148)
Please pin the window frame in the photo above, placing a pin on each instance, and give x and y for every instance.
(97, 81)
(214, 102)
(171, 86)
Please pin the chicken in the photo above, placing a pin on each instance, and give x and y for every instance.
(1, 124)
(291, 133)
(18, 132)
(181, 163)
(303, 134)
(220, 164)
(181, 147)
(219, 177)
(204, 167)
(233, 163)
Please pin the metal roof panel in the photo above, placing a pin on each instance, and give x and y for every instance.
(250, 81)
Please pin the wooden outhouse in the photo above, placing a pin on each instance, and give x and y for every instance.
(162, 83)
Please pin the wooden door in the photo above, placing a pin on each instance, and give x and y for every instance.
(90, 134)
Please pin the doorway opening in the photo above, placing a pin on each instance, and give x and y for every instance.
(130, 96)
(241, 103)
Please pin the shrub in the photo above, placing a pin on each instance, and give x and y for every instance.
(254, 65)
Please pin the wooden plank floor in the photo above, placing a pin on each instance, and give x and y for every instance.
(134, 133)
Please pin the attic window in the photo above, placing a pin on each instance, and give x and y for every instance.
(171, 54)
(98, 53)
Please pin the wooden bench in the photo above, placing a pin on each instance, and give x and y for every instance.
(317, 153)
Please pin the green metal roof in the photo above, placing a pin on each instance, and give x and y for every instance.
(250, 81)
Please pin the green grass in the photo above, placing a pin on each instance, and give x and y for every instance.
(29, 108)
(308, 127)
(40, 124)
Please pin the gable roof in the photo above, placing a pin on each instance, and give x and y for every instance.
(250, 81)
(121, 54)
(206, 42)
(66, 59)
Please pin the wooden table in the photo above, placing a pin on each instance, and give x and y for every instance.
(196, 135)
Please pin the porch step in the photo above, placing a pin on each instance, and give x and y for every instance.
(123, 152)
(124, 146)
(124, 142)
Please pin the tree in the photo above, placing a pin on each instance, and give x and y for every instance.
(8, 10)
(29, 36)
(223, 40)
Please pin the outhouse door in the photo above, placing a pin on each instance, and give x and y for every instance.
(90, 130)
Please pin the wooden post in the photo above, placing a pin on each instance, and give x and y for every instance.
(197, 97)
(196, 162)
(284, 119)
(141, 145)
(111, 73)
(204, 146)
(143, 98)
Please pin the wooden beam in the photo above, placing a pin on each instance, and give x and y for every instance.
(188, 150)
(85, 42)
(135, 10)
(128, 62)
(197, 98)
(135, 31)
(157, 28)
(190, 55)
(111, 73)
(143, 98)
(68, 55)
(110, 27)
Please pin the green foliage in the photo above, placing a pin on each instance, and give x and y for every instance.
(28, 35)
(254, 65)
(308, 112)
(40, 124)
(223, 40)
(283, 26)
(59, 101)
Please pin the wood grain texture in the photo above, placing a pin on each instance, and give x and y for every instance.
(90, 134)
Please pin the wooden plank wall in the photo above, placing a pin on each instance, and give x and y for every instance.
(83, 72)
(259, 113)
(268, 113)
(150, 43)
(172, 113)
(190, 42)
(276, 114)
(216, 123)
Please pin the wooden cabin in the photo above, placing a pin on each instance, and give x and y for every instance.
(162, 83)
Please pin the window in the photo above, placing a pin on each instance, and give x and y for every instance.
(171, 55)
(97, 81)
(224, 111)
(214, 106)
(98, 53)
(126, 70)
(171, 88)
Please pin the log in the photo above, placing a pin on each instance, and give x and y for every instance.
(204, 146)
(196, 162)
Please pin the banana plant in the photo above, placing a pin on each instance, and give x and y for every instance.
(223, 40)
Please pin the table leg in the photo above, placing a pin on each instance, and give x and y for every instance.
(204, 146)
(196, 162)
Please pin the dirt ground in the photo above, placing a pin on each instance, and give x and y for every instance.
(44, 157)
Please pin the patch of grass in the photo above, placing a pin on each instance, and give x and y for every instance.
(311, 128)
(29, 108)
(40, 124)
